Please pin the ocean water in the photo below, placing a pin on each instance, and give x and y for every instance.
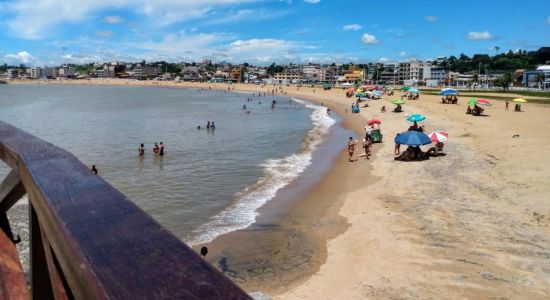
(209, 182)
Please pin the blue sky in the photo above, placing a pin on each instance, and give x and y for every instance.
(51, 32)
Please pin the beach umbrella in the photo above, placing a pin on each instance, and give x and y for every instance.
(377, 93)
(374, 121)
(416, 91)
(405, 88)
(475, 101)
(398, 101)
(412, 138)
(520, 100)
(438, 136)
(359, 95)
(416, 118)
(448, 91)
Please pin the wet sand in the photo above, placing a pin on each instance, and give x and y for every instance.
(471, 224)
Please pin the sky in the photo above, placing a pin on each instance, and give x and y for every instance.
(54, 32)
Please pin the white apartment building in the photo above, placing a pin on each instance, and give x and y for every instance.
(40, 72)
(311, 72)
(410, 71)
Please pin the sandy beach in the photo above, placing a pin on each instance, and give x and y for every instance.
(472, 224)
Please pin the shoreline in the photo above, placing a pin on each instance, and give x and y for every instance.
(287, 249)
(472, 224)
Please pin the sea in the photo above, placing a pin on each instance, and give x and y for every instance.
(210, 181)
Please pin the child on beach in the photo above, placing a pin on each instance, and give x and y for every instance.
(366, 145)
(351, 148)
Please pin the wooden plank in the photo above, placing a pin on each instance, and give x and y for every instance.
(11, 190)
(57, 284)
(41, 284)
(12, 279)
(107, 247)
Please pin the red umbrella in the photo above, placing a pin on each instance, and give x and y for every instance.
(483, 102)
(374, 121)
(438, 136)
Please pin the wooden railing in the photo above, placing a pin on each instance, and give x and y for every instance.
(88, 240)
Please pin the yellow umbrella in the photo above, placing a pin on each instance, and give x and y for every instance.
(520, 100)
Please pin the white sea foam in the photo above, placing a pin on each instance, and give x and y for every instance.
(277, 174)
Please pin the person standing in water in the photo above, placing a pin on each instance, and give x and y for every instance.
(94, 169)
(156, 148)
(213, 126)
(161, 149)
(208, 125)
(141, 150)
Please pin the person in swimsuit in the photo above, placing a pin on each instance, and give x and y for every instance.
(156, 148)
(141, 150)
(208, 125)
(161, 149)
(351, 148)
(94, 169)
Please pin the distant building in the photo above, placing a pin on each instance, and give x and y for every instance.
(41, 72)
(310, 73)
(410, 71)
(288, 76)
(12, 74)
(145, 72)
(237, 74)
(66, 71)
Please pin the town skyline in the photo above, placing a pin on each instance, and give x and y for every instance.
(37, 33)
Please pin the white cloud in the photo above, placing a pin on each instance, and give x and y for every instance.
(402, 54)
(246, 15)
(312, 1)
(479, 36)
(369, 39)
(383, 60)
(22, 57)
(32, 19)
(353, 27)
(113, 19)
(431, 18)
(263, 50)
(104, 33)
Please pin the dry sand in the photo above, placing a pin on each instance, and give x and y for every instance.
(471, 224)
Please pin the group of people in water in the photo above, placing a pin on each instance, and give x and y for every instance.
(209, 125)
(157, 149)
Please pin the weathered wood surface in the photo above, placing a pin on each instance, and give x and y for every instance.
(106, 246)
(12, 280)
(11, 190)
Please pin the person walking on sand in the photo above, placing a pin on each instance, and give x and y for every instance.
(351, 148)
(141, 150)
(366, 146)
(507, 104)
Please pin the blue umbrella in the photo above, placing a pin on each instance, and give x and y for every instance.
(448, 91)
(416, 118)
(412, 138)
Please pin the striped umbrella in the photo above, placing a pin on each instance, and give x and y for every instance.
(479, 101)
(438, 136)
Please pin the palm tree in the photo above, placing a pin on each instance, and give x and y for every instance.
(497, 48)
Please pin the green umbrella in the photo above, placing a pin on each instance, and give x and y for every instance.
(472, 102)
(405, 88)
(360, 95)
(398, 101)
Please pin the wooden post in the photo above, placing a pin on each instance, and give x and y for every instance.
(41, 284)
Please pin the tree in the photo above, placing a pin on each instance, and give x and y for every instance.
(497, 48)
(474, 81)
(505, 81)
